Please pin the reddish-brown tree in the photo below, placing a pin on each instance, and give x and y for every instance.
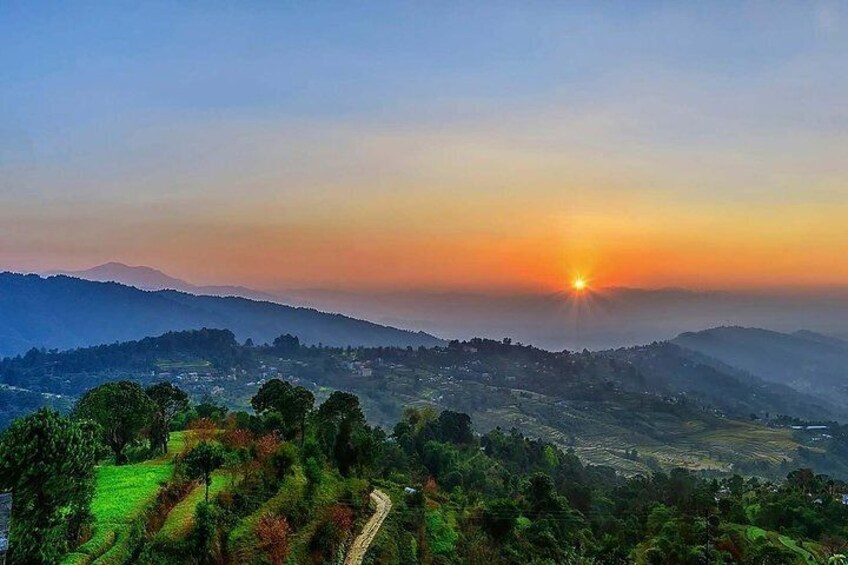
(273, 534)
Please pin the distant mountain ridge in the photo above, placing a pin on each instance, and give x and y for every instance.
(148, 278)
(809, 362)
(63, 312)
(667, 366)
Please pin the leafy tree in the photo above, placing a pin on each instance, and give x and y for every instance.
(439, 458)
(499, 517)
(211, 410)
(47, 460)
(455, 427)
(121, 409)
(202, 461)
(205, 536)
(339, 419)
(168, 400)
(286, 344)
(292, 403)
(332, 529)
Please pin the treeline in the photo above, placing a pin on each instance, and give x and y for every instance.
(216, 346)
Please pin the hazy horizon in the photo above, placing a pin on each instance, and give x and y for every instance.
(772, 290)
(595, 318)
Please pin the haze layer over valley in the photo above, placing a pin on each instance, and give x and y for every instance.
(595, 319)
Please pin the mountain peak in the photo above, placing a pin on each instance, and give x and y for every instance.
(139, 276)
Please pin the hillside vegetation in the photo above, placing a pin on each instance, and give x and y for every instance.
(289, 482)
(638, 410)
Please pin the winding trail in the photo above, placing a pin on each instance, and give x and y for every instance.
(360, 545)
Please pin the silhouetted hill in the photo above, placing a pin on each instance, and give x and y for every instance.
(64, 312)
(806, 361)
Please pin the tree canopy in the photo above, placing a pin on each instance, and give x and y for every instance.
(121, 409)
(47, 460)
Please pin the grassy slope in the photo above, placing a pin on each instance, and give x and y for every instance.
(807, 555)
(121, 494)
(181, 518)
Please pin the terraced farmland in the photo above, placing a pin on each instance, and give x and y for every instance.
(606, 434)
(121, 495)
(181, 518)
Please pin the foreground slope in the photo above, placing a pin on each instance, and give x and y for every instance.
(63, 312)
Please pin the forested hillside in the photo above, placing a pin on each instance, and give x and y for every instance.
(637, 410)
(806, 361)
(137, 475)
(678, 370)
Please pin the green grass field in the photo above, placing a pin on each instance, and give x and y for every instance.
(754, 533)
(806, 555)
(121, 494)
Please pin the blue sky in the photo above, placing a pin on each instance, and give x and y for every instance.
(123, 127)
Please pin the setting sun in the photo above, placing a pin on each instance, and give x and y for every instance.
(579, 284)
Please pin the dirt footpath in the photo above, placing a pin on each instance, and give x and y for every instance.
(360, 545)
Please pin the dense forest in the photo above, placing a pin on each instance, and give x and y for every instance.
(137, 475)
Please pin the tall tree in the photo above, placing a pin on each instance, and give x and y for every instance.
(455, 427)
(47, 460)
(286, 344)
(202, 461)
(292, 403)
(273, 533)
(121, 409)
(167, 400)
(340, 419)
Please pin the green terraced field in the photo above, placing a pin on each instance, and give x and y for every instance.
(121, 494)
(181, 518)
(807, 555)
(754, 533)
